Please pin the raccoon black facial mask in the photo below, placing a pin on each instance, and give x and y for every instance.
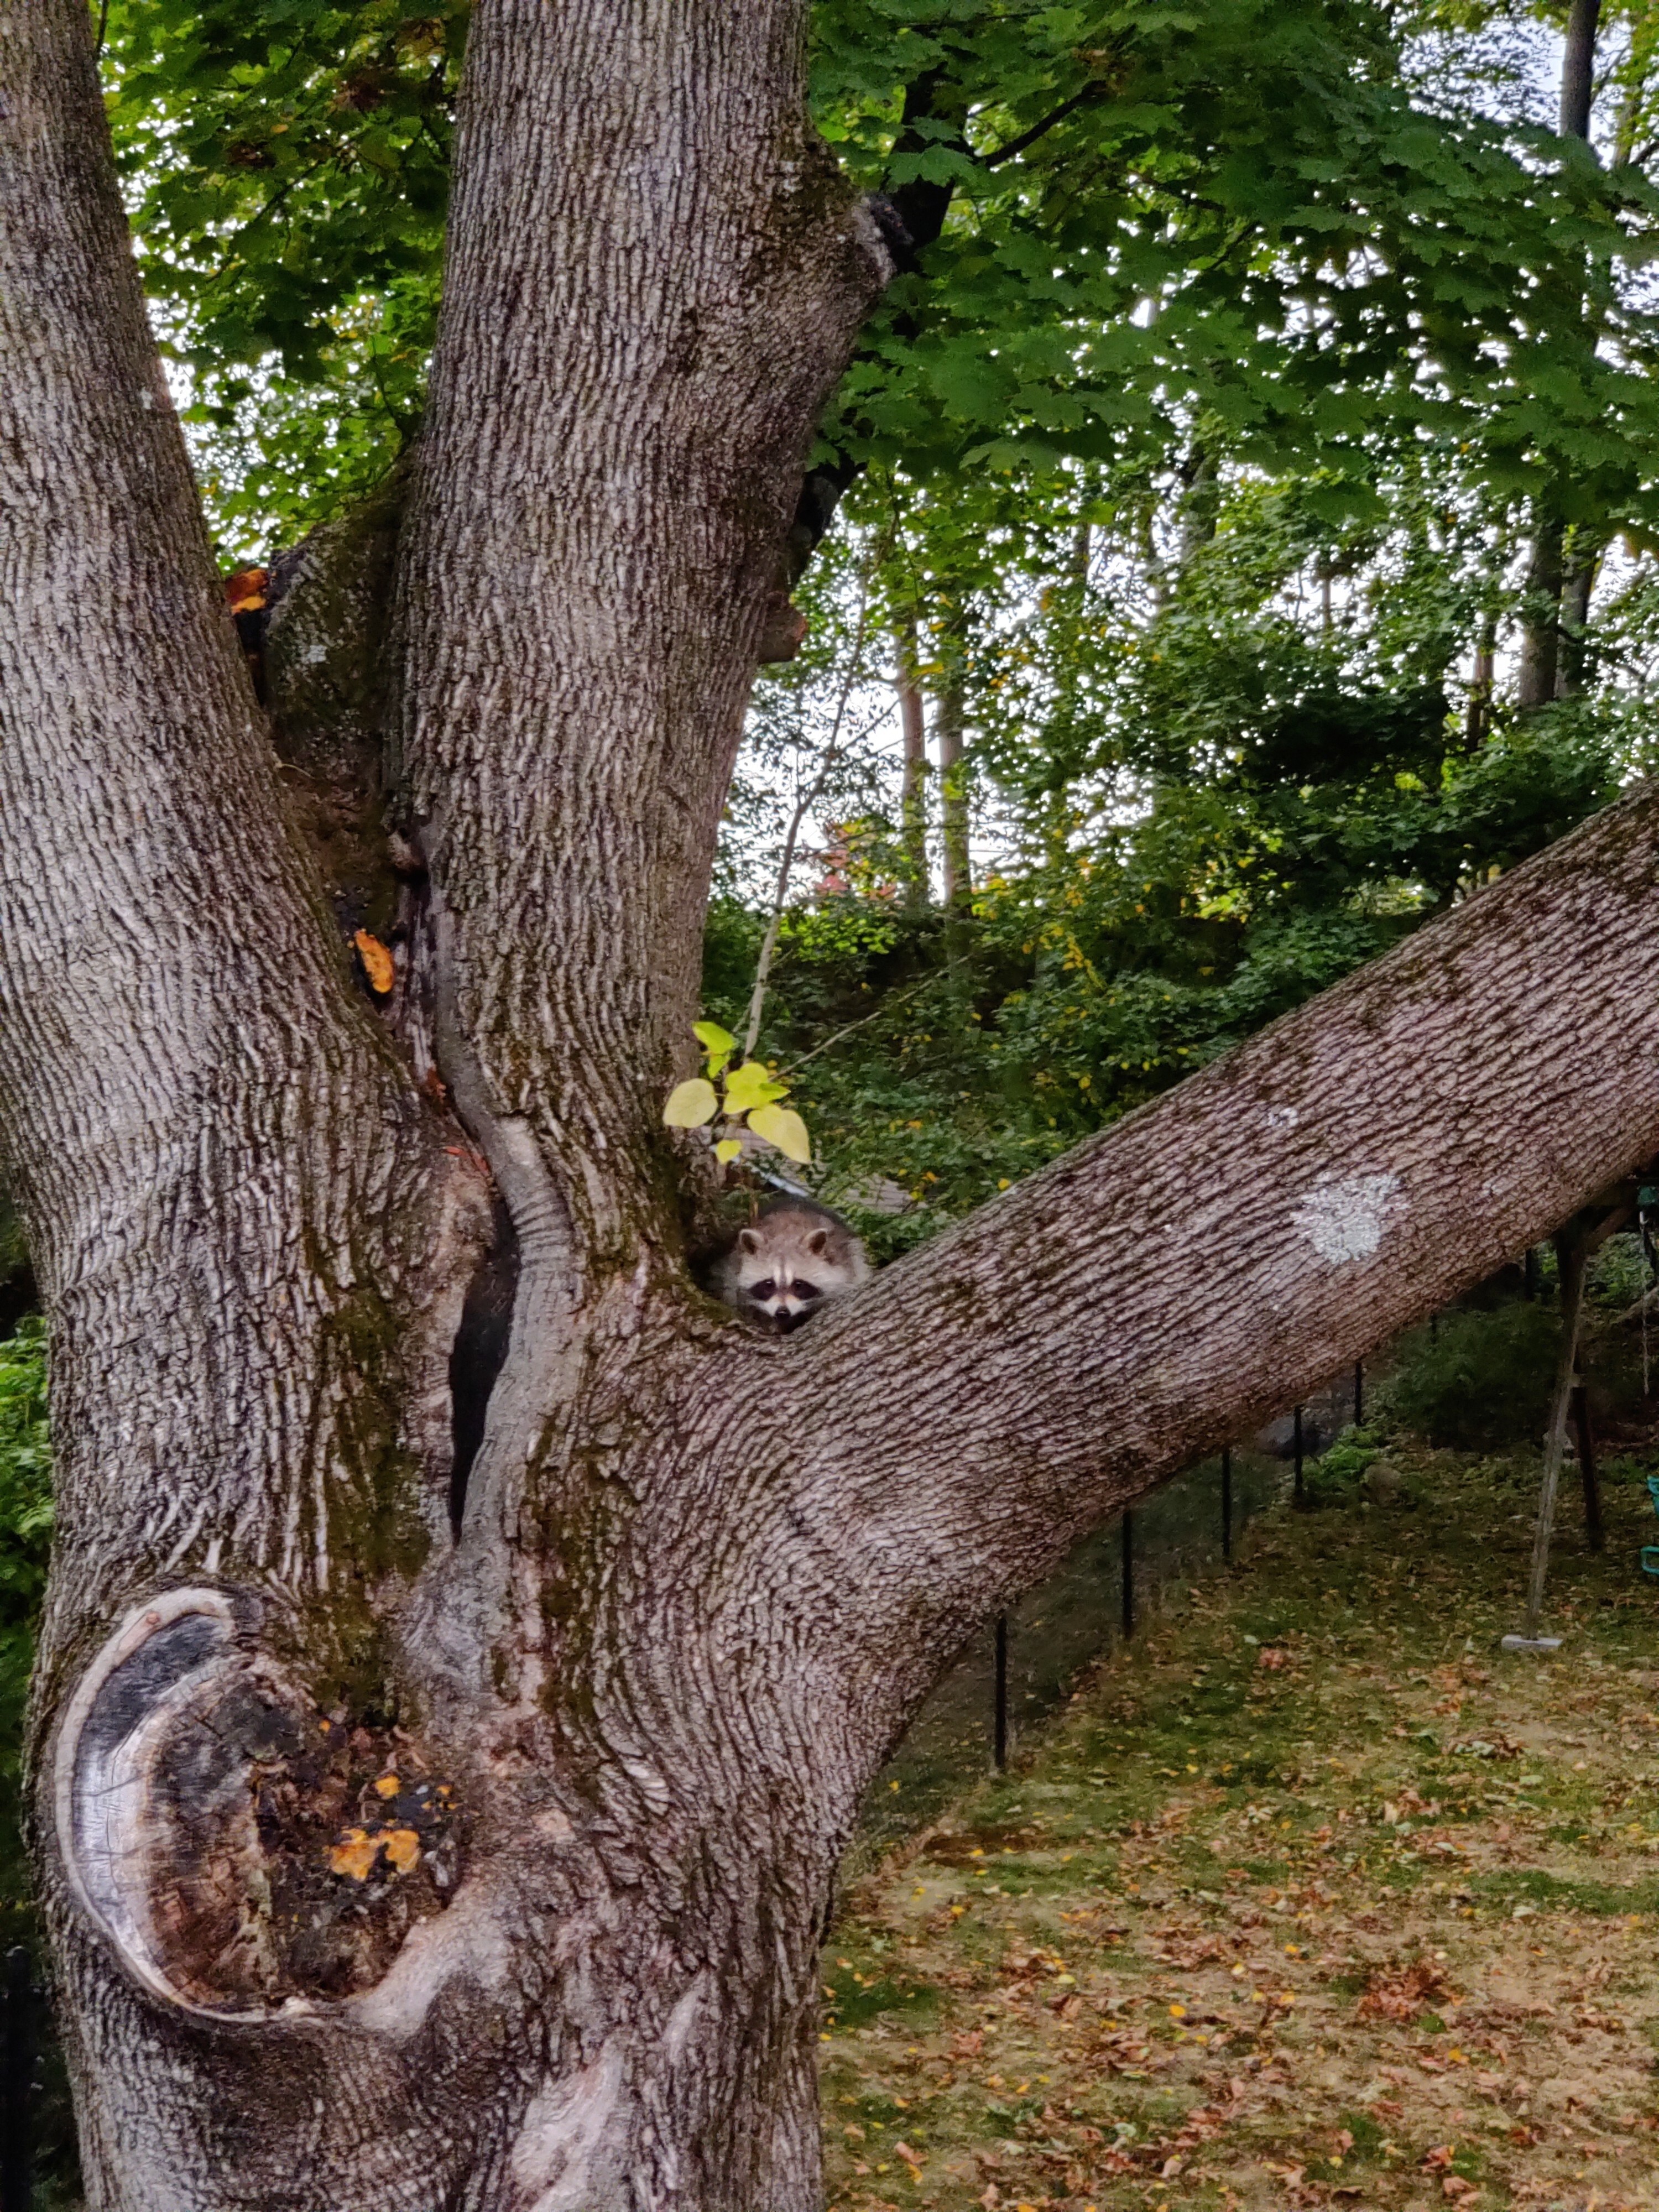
(787, 1263)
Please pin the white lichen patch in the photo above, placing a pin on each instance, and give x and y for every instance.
(1342, 1217)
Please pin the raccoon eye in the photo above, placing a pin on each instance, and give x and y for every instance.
(806, 1290)
(762, 1291)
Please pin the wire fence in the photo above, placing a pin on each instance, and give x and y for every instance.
(1022, 1665)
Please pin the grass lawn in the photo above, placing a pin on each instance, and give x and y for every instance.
(1313, 1897)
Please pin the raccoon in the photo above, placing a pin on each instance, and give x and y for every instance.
(794, 1256)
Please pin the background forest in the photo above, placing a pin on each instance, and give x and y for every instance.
(1235, 540)
(1244, 502)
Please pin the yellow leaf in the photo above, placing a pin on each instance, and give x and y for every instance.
(720, 1044)
(355, 1854)
(403, 1847)
(690, 1104)
(377, 963)
(387, 1786)
(728, 1150)
(751, 1085)
(783, 1127)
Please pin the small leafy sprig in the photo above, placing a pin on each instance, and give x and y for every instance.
(750, 1093)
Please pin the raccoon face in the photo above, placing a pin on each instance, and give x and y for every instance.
(783, 1269)
(785, 1294)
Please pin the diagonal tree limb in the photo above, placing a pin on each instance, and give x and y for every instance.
(1173, 1281)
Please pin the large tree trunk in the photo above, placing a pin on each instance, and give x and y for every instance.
(415, 1847)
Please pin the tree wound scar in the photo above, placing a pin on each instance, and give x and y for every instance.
(1342, 1216)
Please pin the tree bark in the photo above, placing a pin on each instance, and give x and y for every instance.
(1540, 631)
(1577, 581)
(487, 1871)
(1578, 68)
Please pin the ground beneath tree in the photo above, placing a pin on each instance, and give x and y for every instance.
(1312, 1897)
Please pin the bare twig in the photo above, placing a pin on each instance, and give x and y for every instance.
(803, 806)
(864, 1020)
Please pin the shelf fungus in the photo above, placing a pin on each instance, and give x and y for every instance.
(244, 1853)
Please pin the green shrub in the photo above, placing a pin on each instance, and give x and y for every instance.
(1334, 1477)
(24, 1541)
(1481, 1379)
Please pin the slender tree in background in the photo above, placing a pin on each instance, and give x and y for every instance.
(414, 1832)
(1558, 587)
(950, 713)
(913, 790)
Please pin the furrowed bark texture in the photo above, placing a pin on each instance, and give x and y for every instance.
(223, 1170)
(489, 1875)
(623, 394)
(250, 1235)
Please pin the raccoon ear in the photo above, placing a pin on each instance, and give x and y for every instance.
(748, 1241)
(817, 1240)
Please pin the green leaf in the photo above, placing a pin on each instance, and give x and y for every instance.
(751, 1085)
(783, 1127)
(728, 1148)
(690, 1104)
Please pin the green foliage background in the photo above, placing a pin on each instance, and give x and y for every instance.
(25, 1540)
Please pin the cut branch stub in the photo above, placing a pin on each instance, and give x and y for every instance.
(244, 1853)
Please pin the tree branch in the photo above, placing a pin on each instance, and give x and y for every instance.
(1173, 1281)
(1028, 138)
(611, 535)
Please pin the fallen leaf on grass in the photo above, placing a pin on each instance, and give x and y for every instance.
(1397, 1992)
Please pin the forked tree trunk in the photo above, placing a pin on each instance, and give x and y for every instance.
(481, 1864)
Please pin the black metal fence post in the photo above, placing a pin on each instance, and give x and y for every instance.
(999, 1709)
(1226, 1501)
(17, 2082)
(1128, 1527)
